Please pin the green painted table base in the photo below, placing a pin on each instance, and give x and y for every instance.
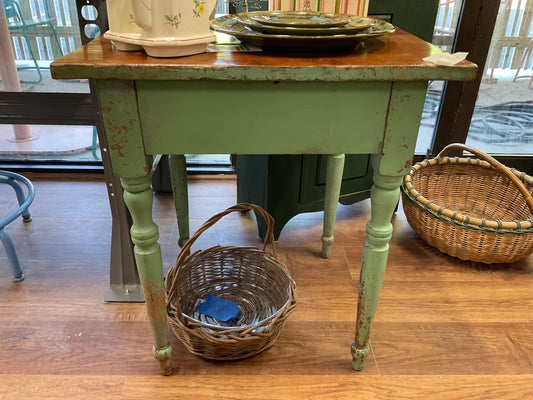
(138, 195)
(334, 168)
(178, 177)
(363, 102)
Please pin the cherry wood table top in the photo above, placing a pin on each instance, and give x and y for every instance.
(397, 56)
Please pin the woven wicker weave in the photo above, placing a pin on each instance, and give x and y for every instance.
(251, 277)
(473, 209)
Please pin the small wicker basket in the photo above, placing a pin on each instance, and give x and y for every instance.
(473, 209)
(253, 278)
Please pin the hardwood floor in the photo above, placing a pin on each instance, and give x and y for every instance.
(445, 328)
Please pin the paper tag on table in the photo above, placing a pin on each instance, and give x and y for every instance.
(446, 58)
(226, 42)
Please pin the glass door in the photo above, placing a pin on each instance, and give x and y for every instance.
(42, 119)
(502, 122)
(446, 22)
(493, 112)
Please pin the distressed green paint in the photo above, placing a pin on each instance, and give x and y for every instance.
(396, 57)
(379, 118)
(334, 169)
(384, 198)
(144, 234)
(163, 355)
(273, 118)
(399, 140)
(118, 103)
(383, 116)
(359, 356)
(402, 123)
(403, 119)
(178, 177)
(262, 73)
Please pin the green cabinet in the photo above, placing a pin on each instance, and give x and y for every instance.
(414, 16)
(287, 185)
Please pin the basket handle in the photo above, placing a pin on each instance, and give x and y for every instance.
(185, 250)
(269, 236)
(496, 164)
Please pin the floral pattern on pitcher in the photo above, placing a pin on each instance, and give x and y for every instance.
(173, 20)
(199, 7)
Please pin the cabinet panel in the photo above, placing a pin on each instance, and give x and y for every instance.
(356, 176)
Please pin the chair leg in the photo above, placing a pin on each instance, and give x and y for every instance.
(522, 64)
(21, 198)
(94, 146)
(494, 64)
(34, 60)
(18, 275)
(56, 38)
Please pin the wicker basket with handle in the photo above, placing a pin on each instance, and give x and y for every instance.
(473, 209)
(250, 277)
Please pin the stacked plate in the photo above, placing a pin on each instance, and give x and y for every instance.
(303, 31)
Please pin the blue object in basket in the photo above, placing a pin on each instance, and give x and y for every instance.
(218, 308)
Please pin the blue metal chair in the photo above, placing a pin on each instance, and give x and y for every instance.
(16, 181)
(16, 22)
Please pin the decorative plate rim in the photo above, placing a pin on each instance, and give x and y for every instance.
(316, 18)
(349, 27)
(226, 23)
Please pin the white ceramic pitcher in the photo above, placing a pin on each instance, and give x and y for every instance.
(121, 24)
(172, 28)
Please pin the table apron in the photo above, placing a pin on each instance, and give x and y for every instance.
(209, 117)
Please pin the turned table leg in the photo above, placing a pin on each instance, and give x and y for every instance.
(178, 176)
(144, 234)
(118, 101)
(384, 197)
(390, 165)
(334, 170)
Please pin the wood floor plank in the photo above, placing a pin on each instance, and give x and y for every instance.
(463, 301)
(453, 348)
(248, 387)
(303, 348)
(444, 329)
(72, 346)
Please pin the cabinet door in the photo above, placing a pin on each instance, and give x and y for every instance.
(357, 176)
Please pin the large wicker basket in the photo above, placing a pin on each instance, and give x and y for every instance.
(250, 277)
(473, 209)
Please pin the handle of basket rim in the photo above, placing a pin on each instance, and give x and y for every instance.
(269, 236)
(495, 163)
(184, 252)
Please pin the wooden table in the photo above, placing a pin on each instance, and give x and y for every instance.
(366, 101)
